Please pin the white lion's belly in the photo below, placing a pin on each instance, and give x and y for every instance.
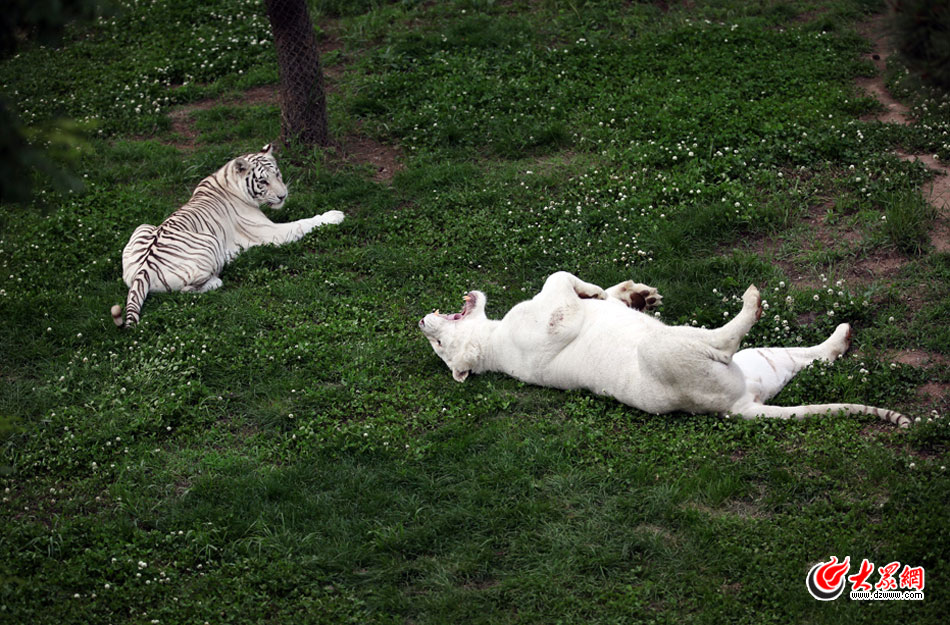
(610, 354)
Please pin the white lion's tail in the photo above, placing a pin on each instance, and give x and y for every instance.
(800, 412)
(138, 291)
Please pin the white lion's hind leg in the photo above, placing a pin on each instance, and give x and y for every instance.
(836, 344)
(636, 295)
(768, 369)
(728, 337)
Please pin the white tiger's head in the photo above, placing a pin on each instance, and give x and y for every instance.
(457, 338)
(260, 178)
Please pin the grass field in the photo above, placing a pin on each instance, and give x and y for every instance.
(288, 449)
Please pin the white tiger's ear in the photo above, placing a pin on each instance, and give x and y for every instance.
(241, 165)
(267, 149)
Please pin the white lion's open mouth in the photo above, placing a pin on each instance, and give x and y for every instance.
(467, 307)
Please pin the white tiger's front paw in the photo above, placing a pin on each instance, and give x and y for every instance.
(332, 217)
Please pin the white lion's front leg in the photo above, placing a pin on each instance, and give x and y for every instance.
(563, 283)
(636, 295)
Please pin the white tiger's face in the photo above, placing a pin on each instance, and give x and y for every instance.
(260, 178)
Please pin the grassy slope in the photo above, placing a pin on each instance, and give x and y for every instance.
(288, 449)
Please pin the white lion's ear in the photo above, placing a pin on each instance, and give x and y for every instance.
(267, 149)
(241, 165)
(463, 365)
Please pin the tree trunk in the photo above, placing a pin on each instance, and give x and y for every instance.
(303, 102)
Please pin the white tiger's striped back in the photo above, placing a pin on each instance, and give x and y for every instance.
(191, 247)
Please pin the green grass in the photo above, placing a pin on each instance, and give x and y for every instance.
(288, 449)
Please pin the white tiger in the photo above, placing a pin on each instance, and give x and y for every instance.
(574, 335)
(191, 247)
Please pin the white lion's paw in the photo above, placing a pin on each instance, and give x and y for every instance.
(839, 342)
(752, 300)
(589, 291)
(332, 217)
(637, 296)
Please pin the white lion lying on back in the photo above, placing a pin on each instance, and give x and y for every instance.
(577, 335)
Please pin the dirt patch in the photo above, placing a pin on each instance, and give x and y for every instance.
(864, 267)
(883, 263)
(875, 31)
(918, 358)
(809, 16)
(937, 192)
(183, 124)
(933, 392)
(385, 160)
(933, 395)
(894, 111)
(883, 433)
(731, 509)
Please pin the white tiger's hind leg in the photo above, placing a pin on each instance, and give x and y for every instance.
(210, 284)
(135, 251)
(767, 370)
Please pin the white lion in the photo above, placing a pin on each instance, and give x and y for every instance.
(575, 335)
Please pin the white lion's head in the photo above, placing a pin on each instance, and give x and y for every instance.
(455, 337)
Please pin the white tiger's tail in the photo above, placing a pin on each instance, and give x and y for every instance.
(138, 291)
(752, 411)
